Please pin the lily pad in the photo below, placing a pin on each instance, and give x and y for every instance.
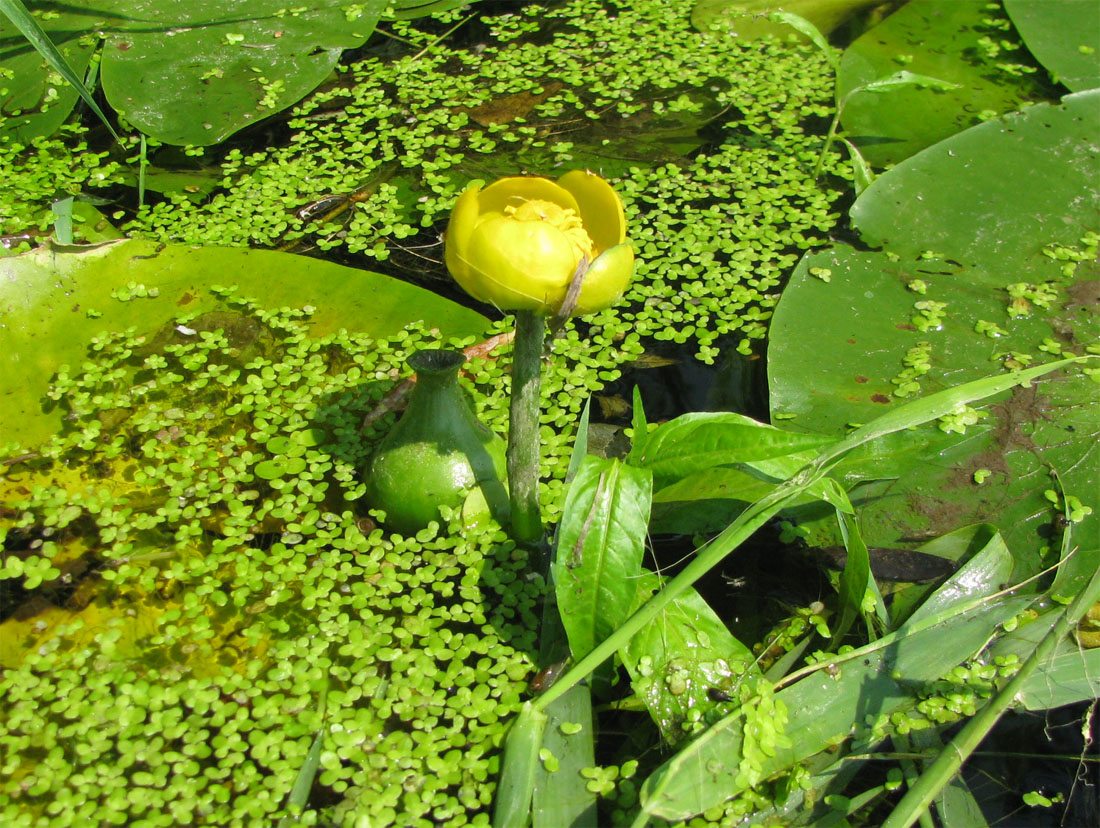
(54, 300)
(944, 39)
(1063, 36)
(989, 263)
(191, 71)
(749, 19)
(34, 99)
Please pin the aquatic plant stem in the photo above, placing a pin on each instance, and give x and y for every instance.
(523, 430)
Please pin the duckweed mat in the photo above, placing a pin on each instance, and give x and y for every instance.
(200, 591)
(712, 157)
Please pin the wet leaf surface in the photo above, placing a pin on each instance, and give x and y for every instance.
(1063, 36)
(191, 71)
(989, 263)
(685, 662)
(53, 300)
(939, 38)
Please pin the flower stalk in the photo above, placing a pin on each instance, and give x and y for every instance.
(541, 248)
(523, 431)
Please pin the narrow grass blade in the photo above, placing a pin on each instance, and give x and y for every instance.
(946, 766)
(855, 578)
(580, 444)
(512, 807)
(143, 162)
(640, 428)
(28, 26)
(864, 177)
(1076, 567)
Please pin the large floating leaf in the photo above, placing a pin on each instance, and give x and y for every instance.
(750, 19)
(54, 300)
(34, 98)
(936, 38)
(988, 224)
(1064, 36)
(1005, 189)
(185, 71)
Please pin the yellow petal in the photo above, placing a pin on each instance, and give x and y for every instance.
(606, 279)
(456, 241)
(520, 265)
(513, 191)
(601, 210)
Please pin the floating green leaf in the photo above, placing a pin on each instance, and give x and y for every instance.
(35, 98)
(47, 296)
(942, 39)
(1063, 36)
(280, 467)
(750, 19)
(196, 71)
(994, 233)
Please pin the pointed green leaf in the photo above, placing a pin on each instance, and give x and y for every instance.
(694, 442)
(601, 543)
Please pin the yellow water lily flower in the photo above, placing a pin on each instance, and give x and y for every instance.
(518, 243)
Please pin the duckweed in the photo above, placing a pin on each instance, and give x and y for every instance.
(711, 156)
(196, 544)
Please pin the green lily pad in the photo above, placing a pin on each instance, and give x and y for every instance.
(1003, 190)
(994, 231)
(34, 99)
(54, 300)
(749, 18)
(190, 71)
(941, 39)
(1063, 36)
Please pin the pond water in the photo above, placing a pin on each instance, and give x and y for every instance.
(201, 620)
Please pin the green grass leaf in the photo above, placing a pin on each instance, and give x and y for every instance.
(512, 805)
